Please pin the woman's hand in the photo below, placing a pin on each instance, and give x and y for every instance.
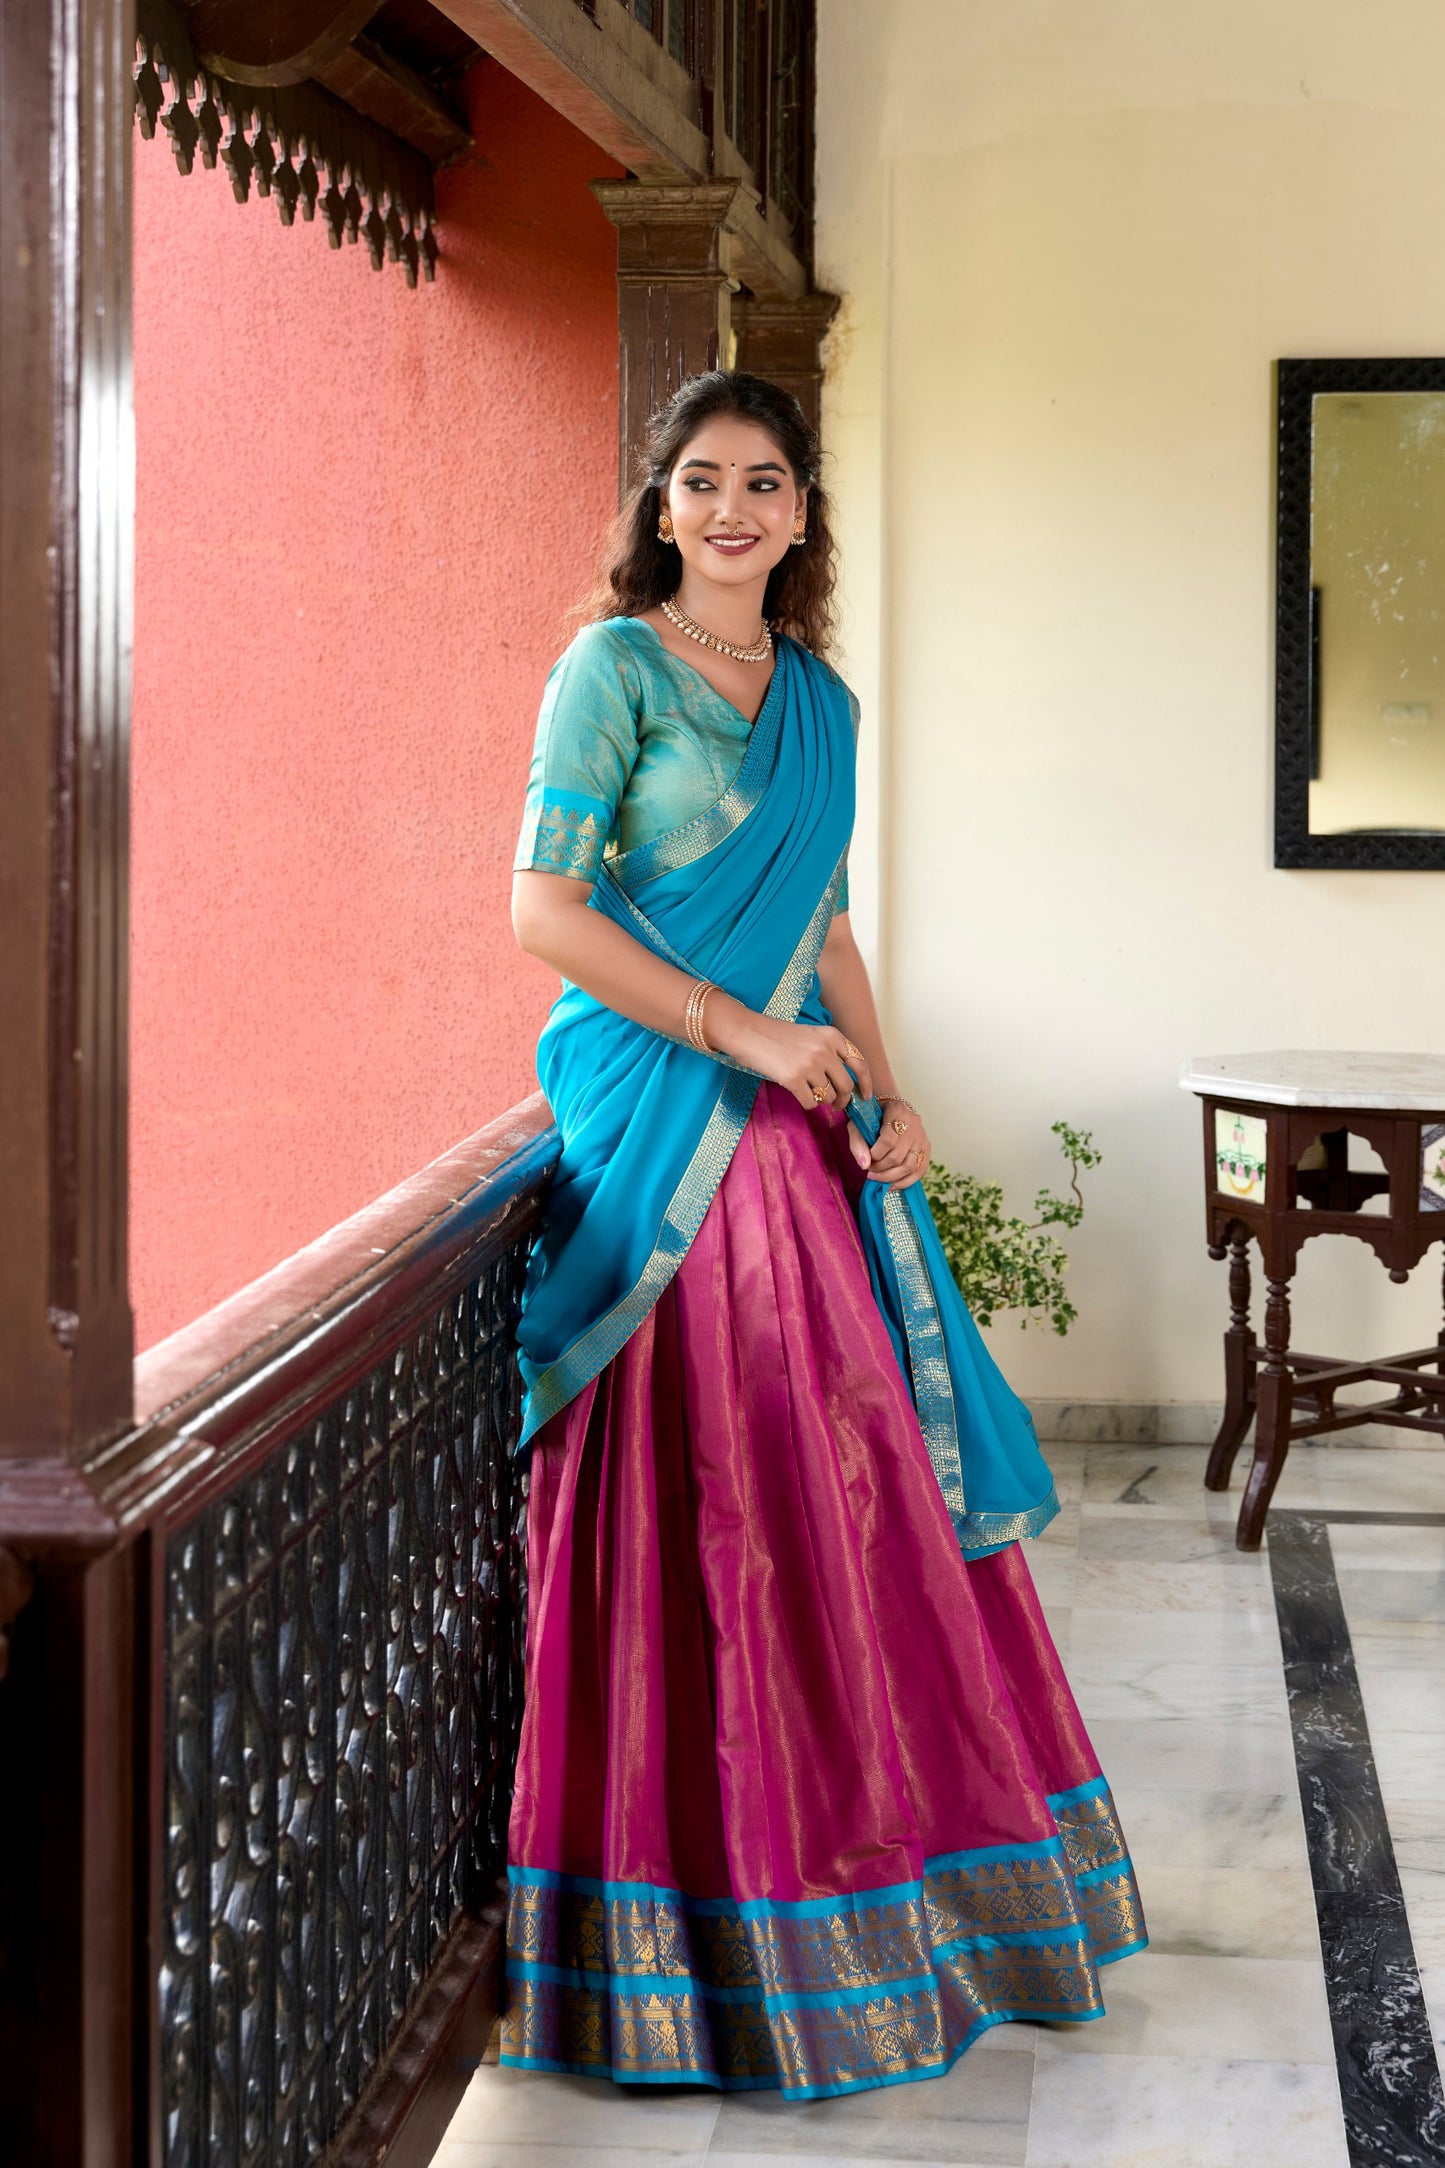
(900, 1156)
(812, 1061)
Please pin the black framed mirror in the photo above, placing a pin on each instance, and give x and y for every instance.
(1360, 647)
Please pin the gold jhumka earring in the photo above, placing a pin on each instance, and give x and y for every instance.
(800, 535)
(664, 528)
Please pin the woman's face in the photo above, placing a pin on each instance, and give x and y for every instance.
(733, 501)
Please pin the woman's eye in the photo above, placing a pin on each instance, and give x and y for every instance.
(767, 483)
(696, 482)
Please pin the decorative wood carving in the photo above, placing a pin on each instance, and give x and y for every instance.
(273, 41)
(296, 143)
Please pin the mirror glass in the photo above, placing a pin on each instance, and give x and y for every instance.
(1377, 598)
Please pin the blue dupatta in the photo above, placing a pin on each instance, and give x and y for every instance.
(743, 894)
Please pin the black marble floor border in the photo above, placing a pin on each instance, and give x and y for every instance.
(1389, 2076)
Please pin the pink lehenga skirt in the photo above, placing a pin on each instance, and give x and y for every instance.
(803, 1798)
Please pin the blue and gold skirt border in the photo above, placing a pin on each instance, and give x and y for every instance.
(647, 1985)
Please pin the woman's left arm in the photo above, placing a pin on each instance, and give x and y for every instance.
(901, 1154)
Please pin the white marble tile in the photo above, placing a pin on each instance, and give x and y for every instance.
(1409, 1647)
(1249, 2009)
(1139, 1684)
(1167, 1753)
(1432, 1980)
(1144, 1585)
(1169, 1479)
(1052, 1570)
(1367, 1544)
(1364, 1479)
(1410, 1764)
(1062, 1533)
(1417, 1831)
(525, 2153)
(1190, 1828)
(1424, 1892)
(1229, 1639)
(535, 2107)
(1377, 1595)
(1402, 1700)
(1234, 1911)
(1163, 1540)
(976, 2112)
(716, 2159)
(1182, 2111)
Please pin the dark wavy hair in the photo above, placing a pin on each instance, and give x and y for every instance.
(637, 571)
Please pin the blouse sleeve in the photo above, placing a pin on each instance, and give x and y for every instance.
(584, 751)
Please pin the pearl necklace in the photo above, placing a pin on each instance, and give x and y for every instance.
(758, 652)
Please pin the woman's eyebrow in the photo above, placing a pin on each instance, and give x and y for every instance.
(761, 466)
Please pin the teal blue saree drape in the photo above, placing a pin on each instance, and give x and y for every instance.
(742, 893)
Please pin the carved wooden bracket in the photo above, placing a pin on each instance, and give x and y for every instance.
(16, 1588)
(273, 41)
(295, 141)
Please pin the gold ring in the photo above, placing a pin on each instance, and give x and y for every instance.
(819, 1093)
(850, 1048)
(896, 1124)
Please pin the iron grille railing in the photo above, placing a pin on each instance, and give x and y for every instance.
(343, 1693)
(340, 1685)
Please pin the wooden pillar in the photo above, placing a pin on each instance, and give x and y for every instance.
(68, 1988)
(782, 340)
(674, 293)
(65, 611)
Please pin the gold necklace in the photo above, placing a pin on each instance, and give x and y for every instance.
(758, 652)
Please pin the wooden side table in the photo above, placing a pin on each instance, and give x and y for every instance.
(1276, 1171)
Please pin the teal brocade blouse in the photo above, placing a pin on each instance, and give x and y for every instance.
(631, 742)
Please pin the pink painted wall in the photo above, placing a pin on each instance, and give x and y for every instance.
(362, 514)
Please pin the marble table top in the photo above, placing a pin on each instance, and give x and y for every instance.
(1320, 1078)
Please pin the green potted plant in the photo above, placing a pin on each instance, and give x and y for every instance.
(1007, 1263)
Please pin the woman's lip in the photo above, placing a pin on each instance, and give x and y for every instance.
(732, 541)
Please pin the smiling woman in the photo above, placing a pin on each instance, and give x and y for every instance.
(802, 1799)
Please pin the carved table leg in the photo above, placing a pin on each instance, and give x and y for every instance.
(1275, 1409)
(1239, 1365)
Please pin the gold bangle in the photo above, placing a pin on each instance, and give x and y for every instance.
(896, 1099)
(693, 1016)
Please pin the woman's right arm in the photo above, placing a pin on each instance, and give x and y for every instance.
(552, 921)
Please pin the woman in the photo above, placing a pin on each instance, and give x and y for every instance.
(802, 1798)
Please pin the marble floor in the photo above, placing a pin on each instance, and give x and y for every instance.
(1219, 2048)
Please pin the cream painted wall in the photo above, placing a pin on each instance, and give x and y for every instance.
(1072, 241)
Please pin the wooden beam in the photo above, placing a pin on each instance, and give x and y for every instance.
(607, 75)
(387, 91)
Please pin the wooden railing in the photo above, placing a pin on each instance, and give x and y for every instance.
(318, 1545)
